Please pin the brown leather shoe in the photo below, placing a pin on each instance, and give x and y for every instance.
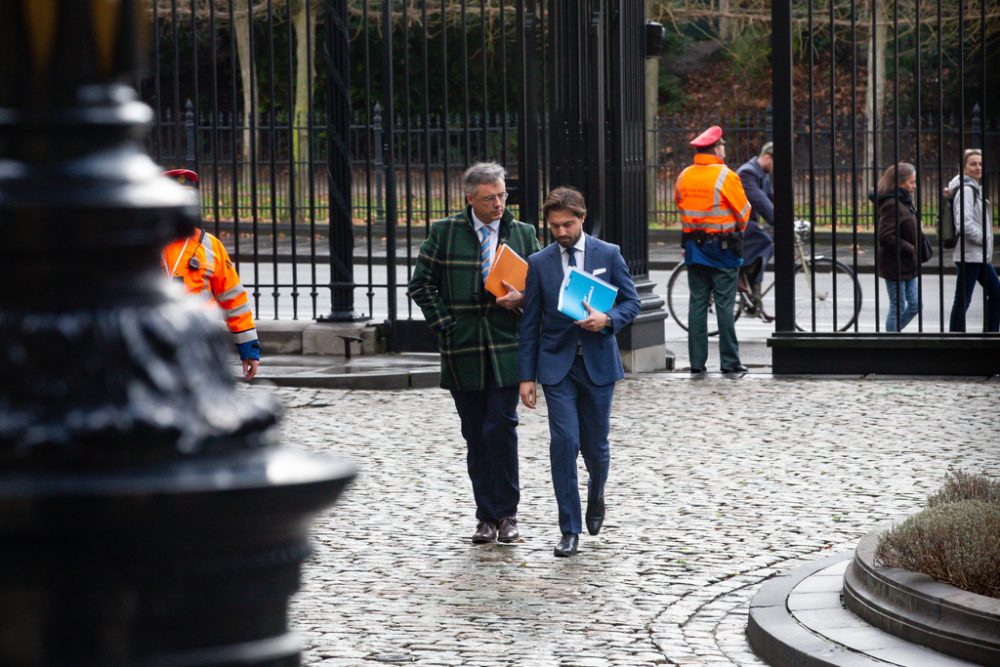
(486, 531)
(508, 531)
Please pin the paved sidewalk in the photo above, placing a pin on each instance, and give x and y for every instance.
(699, 514)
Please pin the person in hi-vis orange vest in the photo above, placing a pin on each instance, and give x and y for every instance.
(714, 212)
(201, 262)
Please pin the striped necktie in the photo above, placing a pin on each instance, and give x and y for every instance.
(484, 252)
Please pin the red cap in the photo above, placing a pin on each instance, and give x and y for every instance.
(183, 176)
(709, 137)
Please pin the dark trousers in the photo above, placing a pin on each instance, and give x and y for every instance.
(489, 421)
(579, 422)
(721, 284)
(970, 273)
(758, 248)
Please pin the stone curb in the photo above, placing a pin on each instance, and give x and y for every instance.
(919, 609)
(370, 380)
(778, 639)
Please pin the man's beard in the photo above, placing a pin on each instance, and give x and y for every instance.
(569, 242)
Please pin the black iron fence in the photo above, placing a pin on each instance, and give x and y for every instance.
(429, 149)
(919, 74)
(448, 100)
(433, 87)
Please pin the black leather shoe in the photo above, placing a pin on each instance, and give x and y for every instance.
(697, 371)
(508, 532)
(567, 546)
(595, 515)
(486, 531)
(735, 369)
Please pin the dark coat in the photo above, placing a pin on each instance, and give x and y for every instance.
(757, 242)
(897, 254)
(757, 185)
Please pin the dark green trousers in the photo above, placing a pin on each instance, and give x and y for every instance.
(721, 285)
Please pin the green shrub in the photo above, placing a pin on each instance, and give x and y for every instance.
(960, 485)
(954, 542)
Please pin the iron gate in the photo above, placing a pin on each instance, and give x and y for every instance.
(250, 94)
(912, 59)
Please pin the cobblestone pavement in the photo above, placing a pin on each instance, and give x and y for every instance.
(699, 514)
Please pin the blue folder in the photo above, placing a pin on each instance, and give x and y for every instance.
(579, 287)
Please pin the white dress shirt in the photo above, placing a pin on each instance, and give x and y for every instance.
(580, 244)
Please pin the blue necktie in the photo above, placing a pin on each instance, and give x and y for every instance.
(484, 252)
(571, 253)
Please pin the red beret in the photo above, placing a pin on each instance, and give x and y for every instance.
(183, 176)
(709, 137)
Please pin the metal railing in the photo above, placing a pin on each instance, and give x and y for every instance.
(926, 110)
(429, 149)
(265, 178)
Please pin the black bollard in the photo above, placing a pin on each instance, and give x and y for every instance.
(147, 516)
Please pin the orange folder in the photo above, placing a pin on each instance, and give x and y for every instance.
(507, 265)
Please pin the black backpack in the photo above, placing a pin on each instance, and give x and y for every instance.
(949, 236)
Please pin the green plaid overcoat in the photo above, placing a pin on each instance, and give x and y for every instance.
(447, 286)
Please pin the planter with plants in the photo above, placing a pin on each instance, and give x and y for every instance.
(934, 578)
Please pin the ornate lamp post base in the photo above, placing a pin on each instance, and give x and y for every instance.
(186, 563)
(146, 517)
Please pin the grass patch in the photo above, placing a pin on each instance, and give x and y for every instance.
(955, 540)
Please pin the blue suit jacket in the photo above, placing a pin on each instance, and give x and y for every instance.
(548, 339)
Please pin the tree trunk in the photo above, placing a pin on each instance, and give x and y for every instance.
(242, 26)
(304, 67)
(725, 23)
(875, 91)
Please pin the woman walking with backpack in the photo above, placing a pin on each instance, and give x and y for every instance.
(973, 254)
(898, 242)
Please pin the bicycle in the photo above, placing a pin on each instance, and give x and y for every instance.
(829, 276)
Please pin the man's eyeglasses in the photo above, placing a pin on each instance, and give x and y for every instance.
(502, 197)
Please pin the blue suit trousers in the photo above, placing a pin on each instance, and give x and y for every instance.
(579, 422)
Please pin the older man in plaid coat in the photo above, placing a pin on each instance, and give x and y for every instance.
(477, 337)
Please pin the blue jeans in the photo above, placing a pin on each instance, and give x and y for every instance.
(904, 300)
(970, 273)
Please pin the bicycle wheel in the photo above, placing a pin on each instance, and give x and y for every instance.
(678, 297)
(831, 279)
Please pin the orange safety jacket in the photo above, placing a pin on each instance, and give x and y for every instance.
(202, 263)
(711, 197)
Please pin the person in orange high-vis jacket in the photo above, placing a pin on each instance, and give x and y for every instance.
(714, 212)
(201, 262)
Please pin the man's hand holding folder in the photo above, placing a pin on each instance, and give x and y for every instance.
(507, 277)
(585, 299)
(595, 321)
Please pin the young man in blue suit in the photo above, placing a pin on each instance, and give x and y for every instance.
(577, 362)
